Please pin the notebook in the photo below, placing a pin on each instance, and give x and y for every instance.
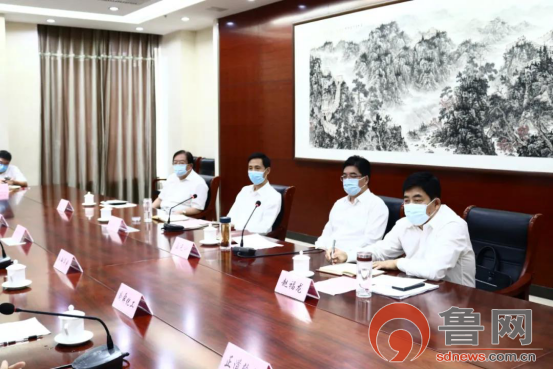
(346, 269)
(383, 286)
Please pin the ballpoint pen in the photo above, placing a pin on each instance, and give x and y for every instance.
(332, 251)
(26, 339)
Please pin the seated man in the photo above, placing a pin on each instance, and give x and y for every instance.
(9, 173)
(357, 220)
(434, 239)
(182, 185)
(259, 168)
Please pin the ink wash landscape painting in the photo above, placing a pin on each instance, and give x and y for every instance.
(429, 82)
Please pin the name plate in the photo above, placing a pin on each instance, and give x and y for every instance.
(3, 222)
(118, 225)
(21, 234)
(128, 300)
(65, 205)
(296, 287)
(66, 261)
(235, 357)
(4, 188)
(185, 248)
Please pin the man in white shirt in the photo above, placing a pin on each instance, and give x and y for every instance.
(9, 173)
(182, 185)
(434, 239)
(259, 168)
(357, 220)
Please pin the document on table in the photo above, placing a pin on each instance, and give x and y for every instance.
(384, 287)
(256, 241)
(163, 216)
(16, 331)
(123, 206)
(347, 269)
(336, 286)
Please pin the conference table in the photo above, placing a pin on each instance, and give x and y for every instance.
(199, 305)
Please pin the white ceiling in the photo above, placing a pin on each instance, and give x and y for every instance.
(155, 16)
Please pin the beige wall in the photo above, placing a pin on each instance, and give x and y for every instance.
(4, 139)
(20, 93)
(187, 97)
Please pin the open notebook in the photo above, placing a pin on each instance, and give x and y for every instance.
(346, 269)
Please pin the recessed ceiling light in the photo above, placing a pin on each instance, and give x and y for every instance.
(51, 20)
(185, 19)
(302, 6)
(251, 1)
(139, 29)
(230, 23)
(114, 8)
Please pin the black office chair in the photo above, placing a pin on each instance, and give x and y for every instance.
(280, 226)
(395, 210)
(210, 211)
(207, 167)
(514, 237)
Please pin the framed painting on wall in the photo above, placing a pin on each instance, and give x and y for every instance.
(429, 82)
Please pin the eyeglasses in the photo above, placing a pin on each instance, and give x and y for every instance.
(180, 163)
(350, 176)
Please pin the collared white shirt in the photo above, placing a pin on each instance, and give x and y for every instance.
(440, 250)
(176, 190)
(264, 217)
(14, 173)
(355, 225)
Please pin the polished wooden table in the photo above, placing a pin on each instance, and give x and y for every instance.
(199, 305)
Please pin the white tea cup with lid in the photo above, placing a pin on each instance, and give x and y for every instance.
(301, 265)
(210, 234)
(16, 276)
(73, 332)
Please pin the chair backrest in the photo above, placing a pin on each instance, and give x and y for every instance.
(512, 235)
(198, 164)
(280, 226)
(395, 210)
(213, 183)
(207, 167)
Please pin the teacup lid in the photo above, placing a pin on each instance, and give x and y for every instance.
(71, 311)
(16, 266)
(210, 227)
(301, 256)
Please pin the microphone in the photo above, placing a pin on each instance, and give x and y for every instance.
(106, 356)
(250, 252)
(257, 204)
(6, 261)
(167, 227)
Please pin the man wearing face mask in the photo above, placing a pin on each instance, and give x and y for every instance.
(259, 168)
(434, 239)
(357, 220)
(9, 173)
(181, 185)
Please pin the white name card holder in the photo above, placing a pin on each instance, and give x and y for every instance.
(65, 205)
(3, 222)
(235, 357)
(19, 237)
(129, 300)
(118, 225)
(66, 261)
(296, 287)
(184, 248)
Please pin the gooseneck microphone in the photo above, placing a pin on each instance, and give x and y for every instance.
(106, 356)
(257, 204)
(168, 227)
(5, 261)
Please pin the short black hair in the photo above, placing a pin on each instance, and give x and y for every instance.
(263, 157)
(188, 154)
(5, 155)
(362, 164)
(425, 180)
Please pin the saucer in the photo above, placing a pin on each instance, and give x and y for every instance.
(209, 243)
(91, 204)
(62, 339)
(102, 220)
(10, 286)
(304, 274)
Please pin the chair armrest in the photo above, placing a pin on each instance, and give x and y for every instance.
(518, 287)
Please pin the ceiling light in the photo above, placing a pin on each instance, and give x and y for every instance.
(139, 29)
(251, 1)
(51, 20)
(185, 19)
(114, 8)
(302, 6)
(230, 23)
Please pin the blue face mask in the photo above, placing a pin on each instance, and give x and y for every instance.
(181, 169)
(257, 178)
(3, 167)
(351, 186)
(416, 213)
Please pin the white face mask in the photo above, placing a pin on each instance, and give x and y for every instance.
(416, 213)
